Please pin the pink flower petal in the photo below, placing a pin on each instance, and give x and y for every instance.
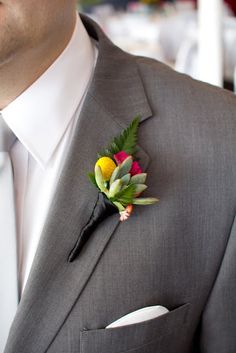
(135, 169)
(120, 157)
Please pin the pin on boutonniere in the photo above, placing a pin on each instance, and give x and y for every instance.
(118, 175)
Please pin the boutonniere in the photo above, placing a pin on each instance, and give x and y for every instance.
(118, 174)
(120, 182)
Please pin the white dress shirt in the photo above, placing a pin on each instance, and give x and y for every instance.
(43, 119)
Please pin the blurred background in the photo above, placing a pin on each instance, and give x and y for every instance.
(197, 37)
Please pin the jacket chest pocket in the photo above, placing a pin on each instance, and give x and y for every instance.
(151, 336)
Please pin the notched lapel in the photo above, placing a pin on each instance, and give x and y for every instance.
(54, 284)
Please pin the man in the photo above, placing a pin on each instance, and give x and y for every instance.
(65, 92)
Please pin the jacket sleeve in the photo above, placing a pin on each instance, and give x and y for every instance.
(218, 326)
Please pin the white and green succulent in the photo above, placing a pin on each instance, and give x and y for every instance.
(123, 189)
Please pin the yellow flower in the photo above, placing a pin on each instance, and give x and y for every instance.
(107, 166)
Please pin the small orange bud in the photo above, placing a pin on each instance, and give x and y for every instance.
(124, 215)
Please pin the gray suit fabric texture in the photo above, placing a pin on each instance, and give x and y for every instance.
(179, 253)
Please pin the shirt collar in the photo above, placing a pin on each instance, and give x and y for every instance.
(40, 116)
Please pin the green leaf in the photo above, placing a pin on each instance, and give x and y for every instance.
(129, 137)
(125, 196)
(105, 153)
(139, 188)
(99, 179)
(126, 141)
(125, 166)
(145, 201)
(122, 170)
(92, 179)
(115, 174)
(119, 206)
(115, 188)
(125, 179)
(138, 178)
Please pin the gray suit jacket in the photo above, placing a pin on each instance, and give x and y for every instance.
(180, 253)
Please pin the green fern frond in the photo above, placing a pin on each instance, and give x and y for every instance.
(105, 153)
(93, 179)
(126, 141)
(126, 195)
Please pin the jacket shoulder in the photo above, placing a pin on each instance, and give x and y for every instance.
(180, 99)
(160, 78)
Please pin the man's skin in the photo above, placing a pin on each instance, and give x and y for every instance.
(33, 33)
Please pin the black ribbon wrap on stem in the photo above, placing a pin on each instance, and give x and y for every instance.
(103, 208)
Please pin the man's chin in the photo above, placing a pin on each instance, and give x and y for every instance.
(8, 51)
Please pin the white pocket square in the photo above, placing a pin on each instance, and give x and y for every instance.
(143, 314)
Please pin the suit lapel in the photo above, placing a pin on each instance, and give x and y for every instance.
(115, 96)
